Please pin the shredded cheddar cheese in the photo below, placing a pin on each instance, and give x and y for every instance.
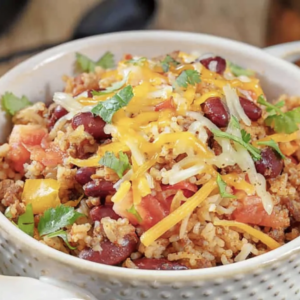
(238, 183)
(121, 192)
(179, 214)
(264, 238)
(280, 137)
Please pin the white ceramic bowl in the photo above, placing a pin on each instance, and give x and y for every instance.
(275, 274)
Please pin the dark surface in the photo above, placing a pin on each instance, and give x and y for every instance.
(9, 11)
(116, 15)
(107, 16)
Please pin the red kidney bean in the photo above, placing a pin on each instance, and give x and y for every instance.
(158, 264)
(221, 63)
(99, 212)
(99, 188)
(251, 109)
(111, 254)
(94, 125)
(270, 165)
(216, 111)
(57, 113)
(83, 175)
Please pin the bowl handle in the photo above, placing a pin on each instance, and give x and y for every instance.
(286, 51)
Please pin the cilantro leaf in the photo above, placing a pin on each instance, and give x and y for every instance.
(137, 62)
(133, 211)
(167, 61)
(26, 220)
(62, 234)
(12, 104)
(188, 77)
(56, 218)
(222, 188)
(282, 122)
(114, 87)
(245, 136)
(107, 108)
(236, 70)
(253, 151)
(271, 111)
(106, 61)
(87, 65)
(119, 165)
(273, 145)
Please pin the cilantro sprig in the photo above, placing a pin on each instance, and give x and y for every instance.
(282, 122)
(273, 145)
(107, 108)
(12, 104)
(186, 77)
(167, 62)
(246, 137)
(119, 165)
(114, 87)
(55, 219)
(222, 188)
(63, 235)
(106, 61)
(243, 141)
(134, 212)
(237, 70)
(26, 221)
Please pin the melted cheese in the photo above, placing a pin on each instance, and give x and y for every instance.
(206, 96)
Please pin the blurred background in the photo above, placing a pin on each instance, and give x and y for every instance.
(28, 26)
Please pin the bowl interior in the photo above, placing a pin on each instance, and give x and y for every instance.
(39, 77)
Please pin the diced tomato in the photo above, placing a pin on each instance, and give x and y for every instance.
(29, 135)
(150, 209)
(167, 104)
(189, 189)
(30, 142)
(251, 211)
(21, 137)
(48, 157)
(128, 56)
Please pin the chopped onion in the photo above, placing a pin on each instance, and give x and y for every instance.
(177, 176)
(246, 163)
(82, 95)
(213, 66)
(246, 94)
(234, 105)
(67, 101)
